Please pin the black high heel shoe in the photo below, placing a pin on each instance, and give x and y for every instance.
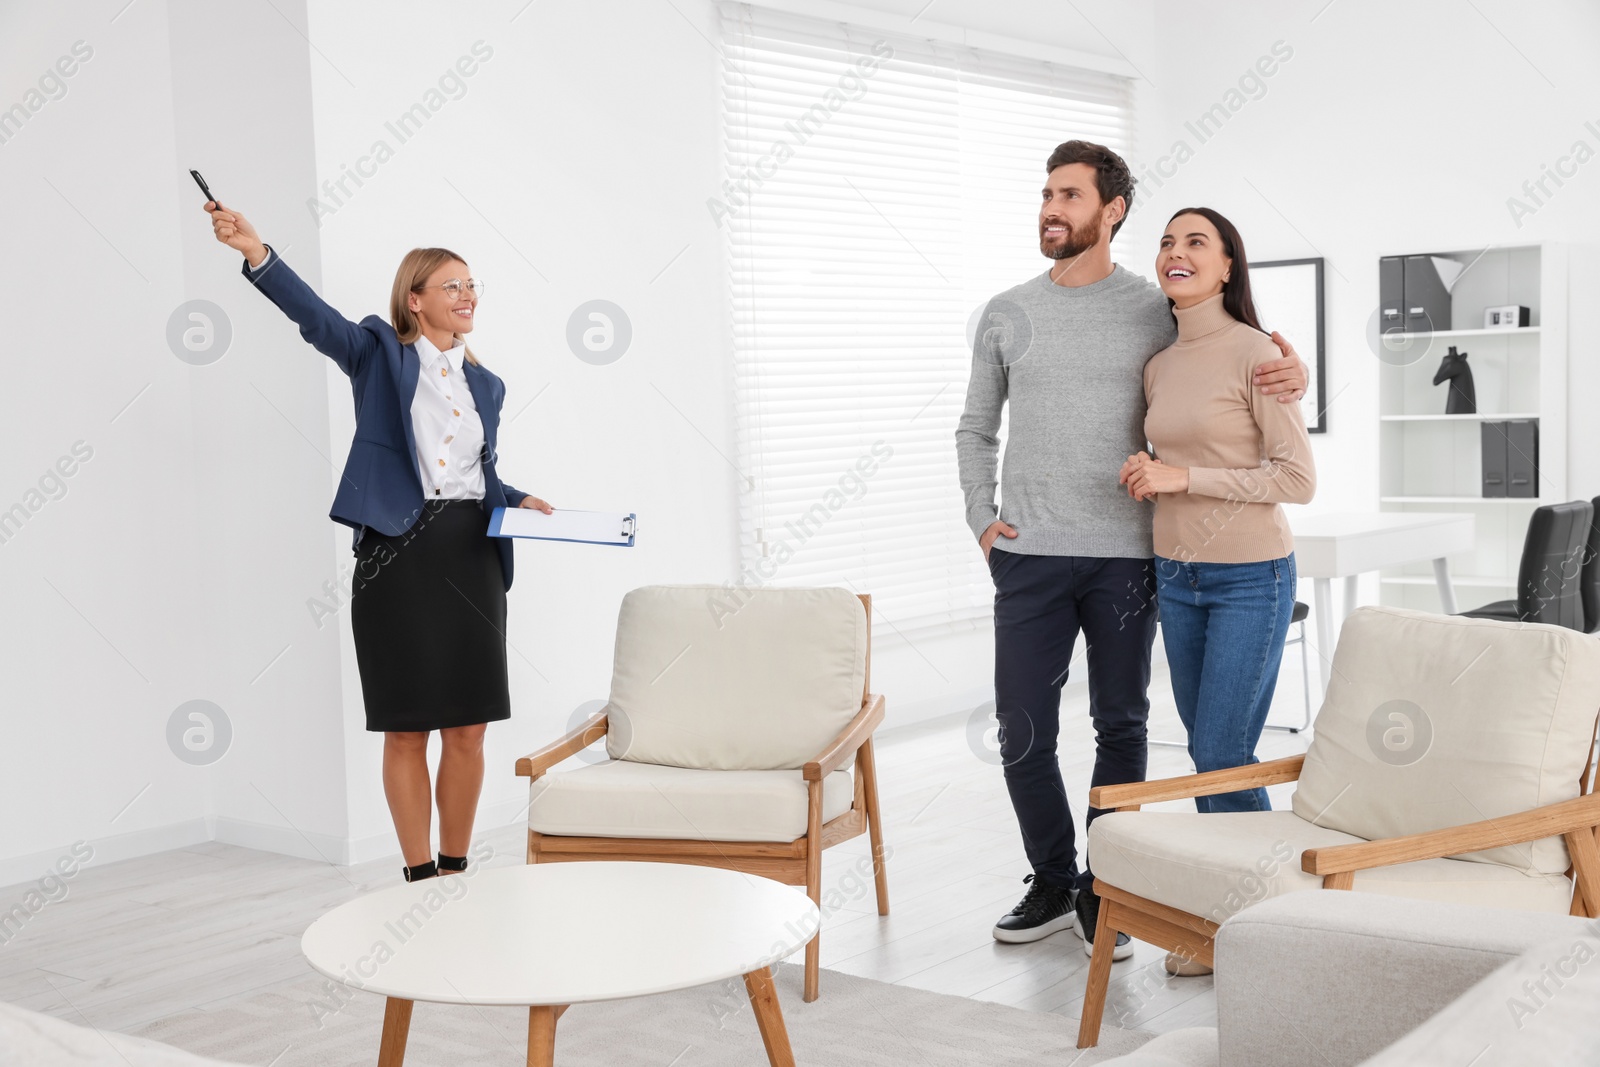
(451, 863)
(420, 871)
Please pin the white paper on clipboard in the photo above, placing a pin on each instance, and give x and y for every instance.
(564, 524)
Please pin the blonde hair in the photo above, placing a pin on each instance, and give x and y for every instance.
(413, 274)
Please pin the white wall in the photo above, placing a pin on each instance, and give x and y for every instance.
(562, 179)
(151, 580)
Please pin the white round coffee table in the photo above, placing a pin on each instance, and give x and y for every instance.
(551, 935)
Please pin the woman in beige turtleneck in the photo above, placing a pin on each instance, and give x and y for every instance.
(1227, 458)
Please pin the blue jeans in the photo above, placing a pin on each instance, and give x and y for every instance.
(1223, 625)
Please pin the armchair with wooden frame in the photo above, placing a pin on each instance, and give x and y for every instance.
(1452, 760)
(738, 735)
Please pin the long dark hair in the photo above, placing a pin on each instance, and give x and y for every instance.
(1236, 298)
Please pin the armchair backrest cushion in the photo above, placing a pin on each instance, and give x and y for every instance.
(754, 679)
(1434, 721)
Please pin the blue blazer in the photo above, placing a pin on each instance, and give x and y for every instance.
(380, 486)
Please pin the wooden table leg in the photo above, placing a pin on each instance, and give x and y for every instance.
(542, 1034)
(769, 1017)
(396, 1027)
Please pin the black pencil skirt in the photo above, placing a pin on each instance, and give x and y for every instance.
(428, 611)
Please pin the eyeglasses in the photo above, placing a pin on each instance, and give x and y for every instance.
(454, 286)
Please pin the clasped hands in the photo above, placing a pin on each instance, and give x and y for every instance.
(1145, 476)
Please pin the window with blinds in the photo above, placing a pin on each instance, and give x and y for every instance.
(878, 191)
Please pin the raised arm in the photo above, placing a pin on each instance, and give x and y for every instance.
(329, 332)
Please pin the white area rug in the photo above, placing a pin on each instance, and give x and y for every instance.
(855, 1022)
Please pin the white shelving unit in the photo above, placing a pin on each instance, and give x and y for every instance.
(1449, 334)
(1489, 416)
(1430, 461)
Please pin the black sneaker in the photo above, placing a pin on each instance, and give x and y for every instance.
(1088, 908)
(1044, 909)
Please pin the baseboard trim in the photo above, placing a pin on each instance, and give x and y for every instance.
(18, 872)
(284, 840)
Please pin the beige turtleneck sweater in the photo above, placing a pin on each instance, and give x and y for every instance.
(1246, 452)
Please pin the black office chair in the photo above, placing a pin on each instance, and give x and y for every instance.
(1549, 582)
(1590, 580)
(1591, 572)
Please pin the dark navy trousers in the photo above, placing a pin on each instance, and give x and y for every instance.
(1041, 603)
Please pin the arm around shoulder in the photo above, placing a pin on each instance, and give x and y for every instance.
(1288, 467)
(1287, 473)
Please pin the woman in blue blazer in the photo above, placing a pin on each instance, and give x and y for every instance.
(428, 610)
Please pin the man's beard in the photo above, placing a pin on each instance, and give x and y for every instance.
(1076, 242)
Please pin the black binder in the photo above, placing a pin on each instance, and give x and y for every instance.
(1391, 294)
(1522, 458)
(1427, 299)
(1496, 454)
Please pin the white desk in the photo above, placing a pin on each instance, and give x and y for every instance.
(1346, 545)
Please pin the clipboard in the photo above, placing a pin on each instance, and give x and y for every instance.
(565, 524)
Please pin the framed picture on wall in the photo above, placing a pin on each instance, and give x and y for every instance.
(1288, 298)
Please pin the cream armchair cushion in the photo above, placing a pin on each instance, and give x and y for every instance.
(1434, 721)
(744, 681)
(624, 798)
(1216, 865)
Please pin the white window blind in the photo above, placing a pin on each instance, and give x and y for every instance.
(879, 190)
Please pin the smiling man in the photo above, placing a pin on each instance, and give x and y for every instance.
(1067, 351)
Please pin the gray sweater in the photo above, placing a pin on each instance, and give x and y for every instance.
(1071, 363)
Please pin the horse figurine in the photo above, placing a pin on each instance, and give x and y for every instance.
(1463, 396)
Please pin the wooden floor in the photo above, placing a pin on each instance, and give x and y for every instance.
(133, 942)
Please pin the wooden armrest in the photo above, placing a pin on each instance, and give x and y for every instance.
(1551, 820)
(537, 762)
(850, 738)
(1250, 776)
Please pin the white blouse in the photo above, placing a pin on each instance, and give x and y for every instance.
(445, 422)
